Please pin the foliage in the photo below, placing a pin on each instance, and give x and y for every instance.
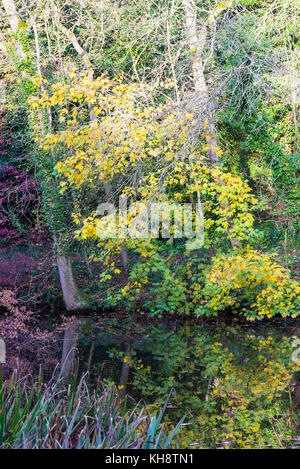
(27, 341)
(236, 383)
(178, 102)
(130, 123)
(119, 141)
(251, 283)
(260, 380)
(19, 201)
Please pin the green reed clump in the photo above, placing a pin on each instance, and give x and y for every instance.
(61, 415)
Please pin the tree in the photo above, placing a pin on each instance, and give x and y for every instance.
(72, 297)
(168, 108)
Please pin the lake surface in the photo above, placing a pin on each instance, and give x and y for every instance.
(238, 386)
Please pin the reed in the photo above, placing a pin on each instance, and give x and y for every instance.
(68, 415)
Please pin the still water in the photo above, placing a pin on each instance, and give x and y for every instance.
(237, 386)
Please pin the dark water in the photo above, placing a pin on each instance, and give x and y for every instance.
(238, 386)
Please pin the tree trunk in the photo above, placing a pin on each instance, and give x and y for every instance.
(69, 349)
(295, 386)
(2, 351)
(124, 372)
(71, 294)
(84, 55)
(92, 349)
(72, 297)
(196, 42)
(11, 12)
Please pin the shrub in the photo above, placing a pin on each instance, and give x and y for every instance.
(251, 283)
